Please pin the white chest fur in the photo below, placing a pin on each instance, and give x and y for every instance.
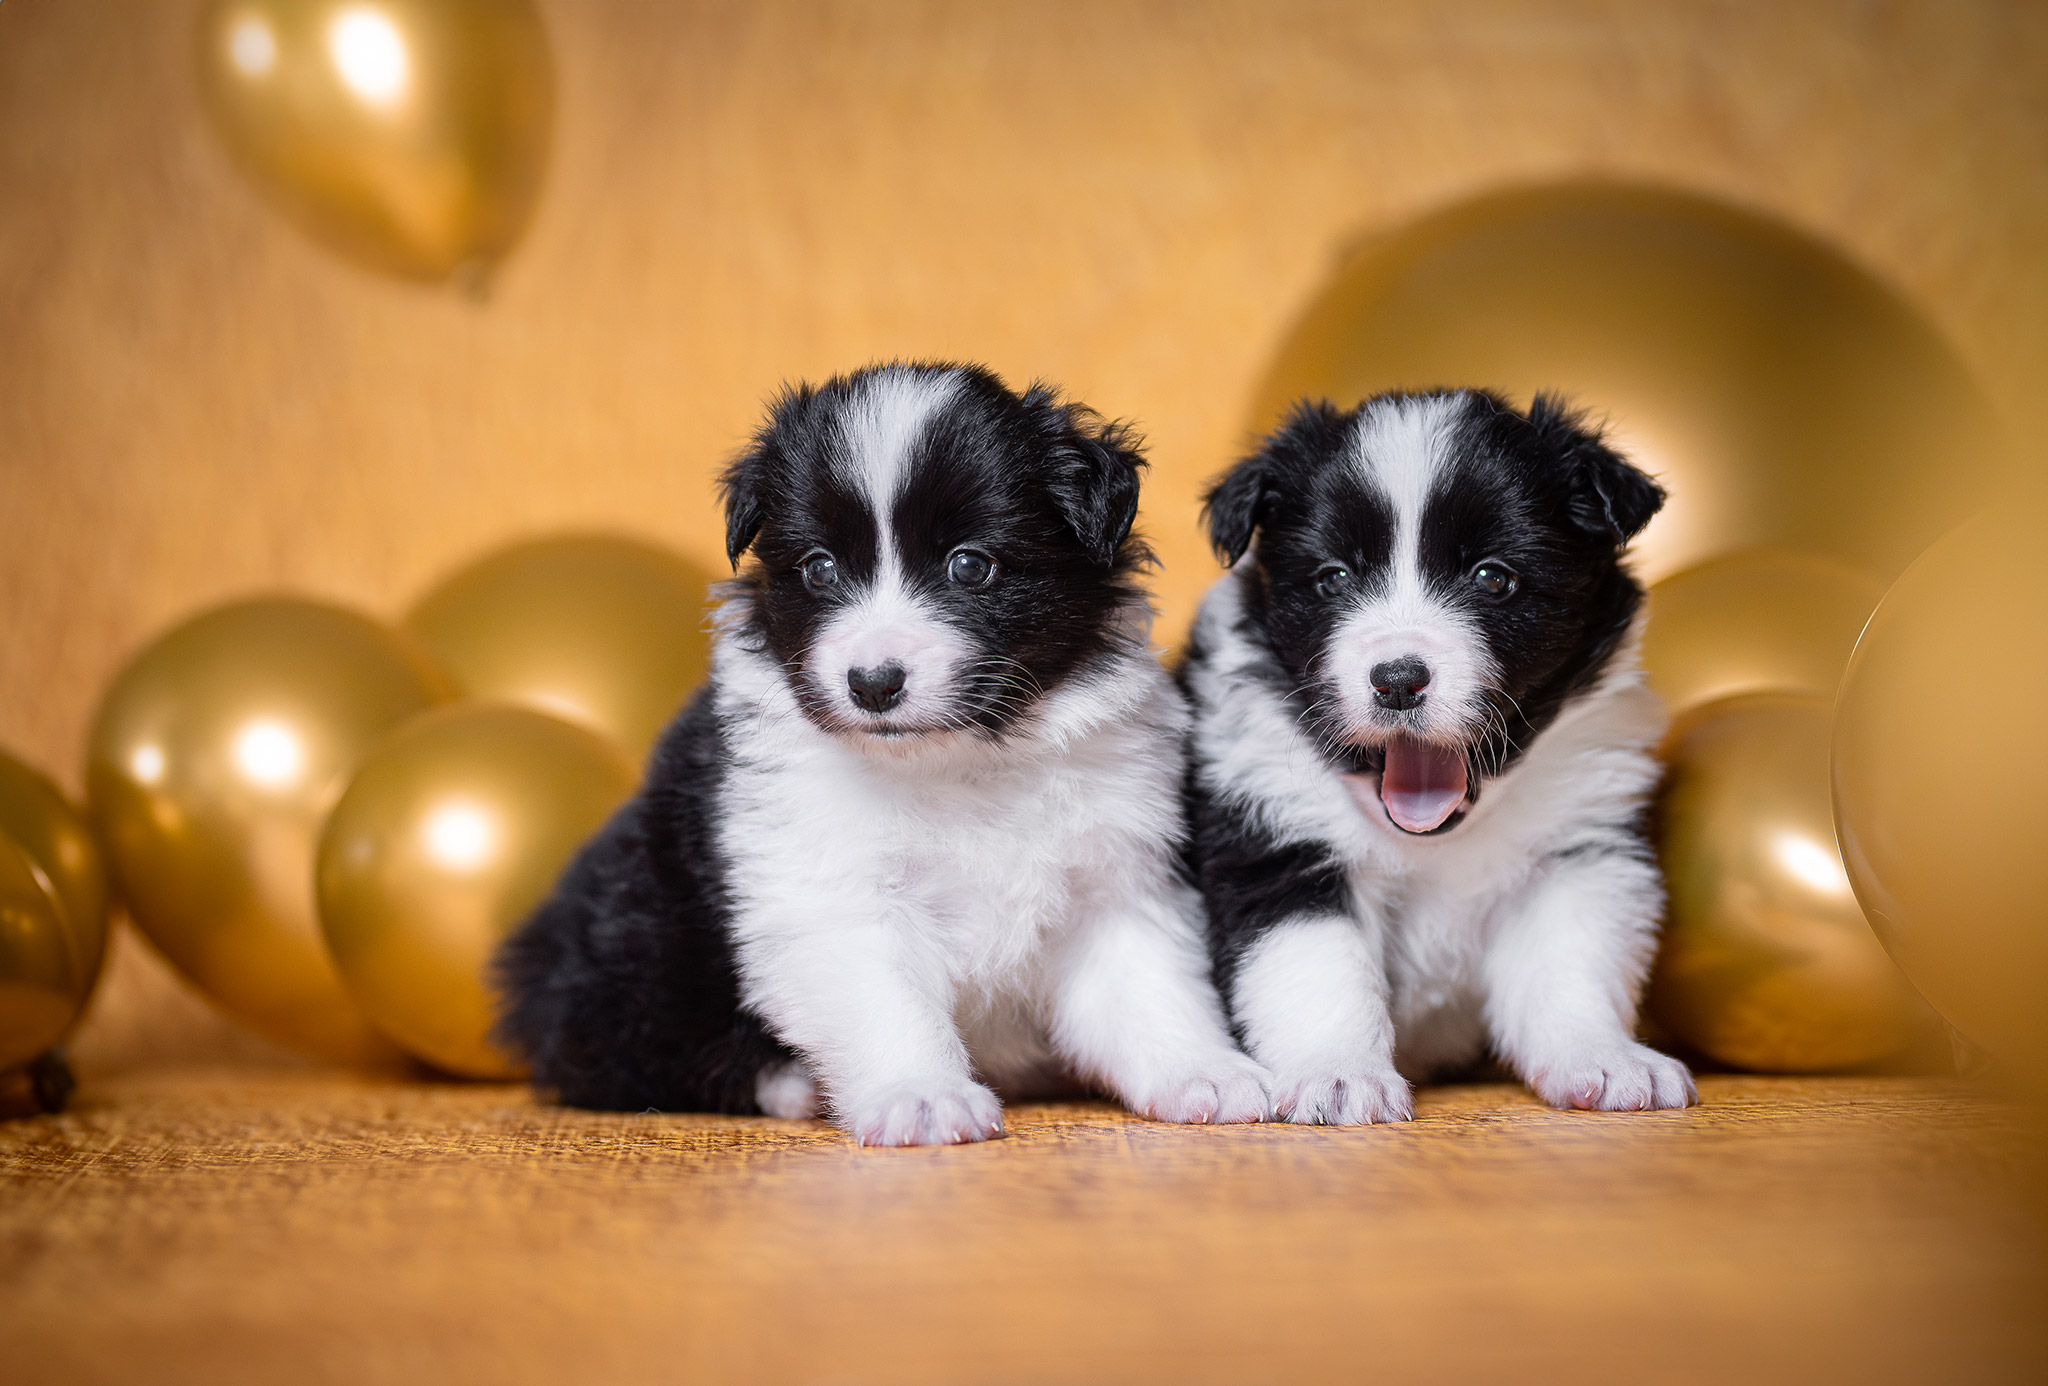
(913, 918)
(970, 861)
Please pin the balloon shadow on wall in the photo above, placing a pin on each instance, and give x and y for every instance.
(1785, 397)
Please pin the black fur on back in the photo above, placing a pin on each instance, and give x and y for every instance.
(621, 988)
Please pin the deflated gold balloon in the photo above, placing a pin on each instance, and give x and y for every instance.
(42, 977)
(409, 135)
(1767, 962)
(1752, 622)
(43, 823)
(603, 630)
(213, 761)
(1786, 398)
(450, 834)
(1941, 782)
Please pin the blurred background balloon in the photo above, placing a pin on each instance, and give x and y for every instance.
(1784, 396)
(409, 135)
(1757, 621)
(451, 832)
(43, 982)
(601, 629)
(55, 834)
(213, 760)
(1767, 962)
(1941, 781)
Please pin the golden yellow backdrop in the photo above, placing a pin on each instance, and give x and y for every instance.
(1136, 200)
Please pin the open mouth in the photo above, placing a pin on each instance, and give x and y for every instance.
(1421, 786)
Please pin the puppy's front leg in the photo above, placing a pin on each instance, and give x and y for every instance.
(872, 1016)
(1563, 974)
(1306, 980)
(1310, 995)
(1134, 1010)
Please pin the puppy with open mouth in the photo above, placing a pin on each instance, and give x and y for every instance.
(1422, 756)
(919, 838)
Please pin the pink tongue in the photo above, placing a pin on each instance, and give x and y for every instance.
(1423, 784)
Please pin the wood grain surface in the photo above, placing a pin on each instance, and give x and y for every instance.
(227, 1227)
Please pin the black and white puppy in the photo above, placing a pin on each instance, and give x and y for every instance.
(1422, 756)
(921, 832)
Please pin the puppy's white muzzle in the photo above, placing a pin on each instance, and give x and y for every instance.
(887, 664)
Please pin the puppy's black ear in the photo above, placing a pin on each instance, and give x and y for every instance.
(1608, 495)
(749, 479)
(1234, 506)
(743, 486)
(1095, 465)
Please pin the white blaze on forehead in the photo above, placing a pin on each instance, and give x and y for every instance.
(878, 430)
(1405, 449)
(885, 622)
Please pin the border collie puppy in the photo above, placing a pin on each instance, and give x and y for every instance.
(920, 835)
(1422, 756)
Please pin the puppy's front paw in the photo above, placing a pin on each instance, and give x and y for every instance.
(1626, 1078)
(1353, 1097)
(927, 1114)
(1230, 1089)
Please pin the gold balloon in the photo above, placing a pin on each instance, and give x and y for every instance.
(213, 761)
(603, 630)
(42, 978)
(43, 823)
(409, 135)
(1785, 397)
(1758, 621)
(450, 834)
(1767, 962)
(1941, 782)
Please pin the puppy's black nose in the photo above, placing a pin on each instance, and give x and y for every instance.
(1398, 683)
(877, 689)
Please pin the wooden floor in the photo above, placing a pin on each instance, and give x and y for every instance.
(234, 1227)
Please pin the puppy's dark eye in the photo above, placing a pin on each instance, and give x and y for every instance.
(1335, 581)
(970, 568)
(820, 571)
(1495, 579)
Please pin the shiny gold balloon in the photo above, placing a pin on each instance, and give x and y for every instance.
(603, 630)
(42, 977)
(213, 762)
(1767, 962)
(1785, 397)
(57, 838)
(409, 135)
(450, 834)
(1752, 622)
(1941, 781)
